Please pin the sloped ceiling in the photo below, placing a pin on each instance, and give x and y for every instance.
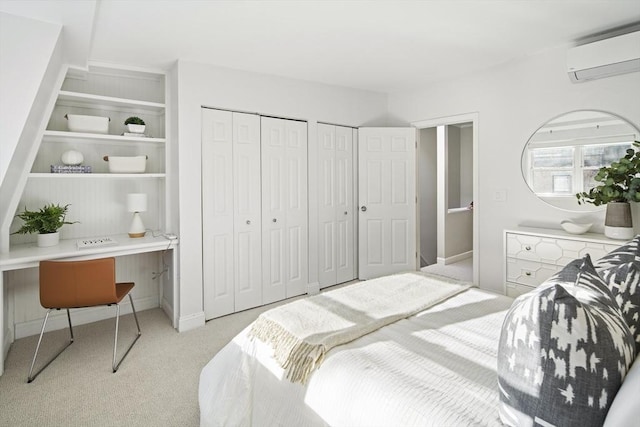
(383, 46)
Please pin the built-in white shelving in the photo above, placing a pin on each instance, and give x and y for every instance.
(83, 137)
(98, 101)
(96, 175)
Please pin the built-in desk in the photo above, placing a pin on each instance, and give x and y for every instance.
(29, 255)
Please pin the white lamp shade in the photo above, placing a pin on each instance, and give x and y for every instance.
(137, 202)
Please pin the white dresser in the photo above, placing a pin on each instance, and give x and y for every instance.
(532, 255)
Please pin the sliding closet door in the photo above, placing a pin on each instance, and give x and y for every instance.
(217, 212)
(284, 208)
(247, 252)
(335, 205)
(231, 240)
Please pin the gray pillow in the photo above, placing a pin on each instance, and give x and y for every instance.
(564, 351)
(628, 252)
(624, 282)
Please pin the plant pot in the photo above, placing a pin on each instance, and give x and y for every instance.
(618, 223)
(136, 128)
(49, 239)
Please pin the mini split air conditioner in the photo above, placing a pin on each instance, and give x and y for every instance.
(604, 58)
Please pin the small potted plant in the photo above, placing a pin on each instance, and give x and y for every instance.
(46, 222)
(135, 124)
(620, 184)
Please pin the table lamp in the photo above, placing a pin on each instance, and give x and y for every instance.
(136, 203)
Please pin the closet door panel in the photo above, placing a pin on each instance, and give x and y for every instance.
(295, 193)
(345, 262)
(273, 135)
(247, 253)
(217, 212)
(326, 205)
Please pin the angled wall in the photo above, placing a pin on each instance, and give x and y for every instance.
(31, 61)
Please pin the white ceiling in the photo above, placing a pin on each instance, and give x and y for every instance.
(383, 46)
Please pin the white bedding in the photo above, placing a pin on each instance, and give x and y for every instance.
(435, 368)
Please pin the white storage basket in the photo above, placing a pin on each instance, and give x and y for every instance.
(128, 164)
(89, 124)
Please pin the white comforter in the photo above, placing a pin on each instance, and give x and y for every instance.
(436, 368)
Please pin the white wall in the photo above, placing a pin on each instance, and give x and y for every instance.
(205, 85)
(466, 166)
(26, 47)
(512, 102)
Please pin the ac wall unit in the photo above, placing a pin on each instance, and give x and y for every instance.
(604, 58)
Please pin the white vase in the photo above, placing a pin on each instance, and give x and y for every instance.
(48, 239)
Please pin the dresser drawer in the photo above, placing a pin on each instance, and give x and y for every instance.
(555, 251)
(529, 273)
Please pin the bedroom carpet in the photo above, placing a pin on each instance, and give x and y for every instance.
(156, 385)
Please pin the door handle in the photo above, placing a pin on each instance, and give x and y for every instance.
(248, 222)
(274, 220)
(363, 209)
(345, 212)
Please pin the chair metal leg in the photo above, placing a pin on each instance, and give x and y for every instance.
(30, 377)
(115, 341)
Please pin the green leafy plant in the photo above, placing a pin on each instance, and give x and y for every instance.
(620, 182)
(134, 121)
(47, 220)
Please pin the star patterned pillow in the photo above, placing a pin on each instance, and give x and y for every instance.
(564, 351)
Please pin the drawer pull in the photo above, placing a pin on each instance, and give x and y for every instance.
(528, 248)
(528, 273)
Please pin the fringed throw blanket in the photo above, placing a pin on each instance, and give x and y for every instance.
(303, 331)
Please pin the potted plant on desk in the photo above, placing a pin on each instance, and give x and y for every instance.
(619, 185)
(46, 222)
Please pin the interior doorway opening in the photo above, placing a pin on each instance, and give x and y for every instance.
(447, 196)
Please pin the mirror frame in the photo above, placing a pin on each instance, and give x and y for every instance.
(585, 208)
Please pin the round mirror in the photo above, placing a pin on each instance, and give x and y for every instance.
(563, 155)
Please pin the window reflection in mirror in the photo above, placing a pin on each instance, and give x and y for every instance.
(563, 156)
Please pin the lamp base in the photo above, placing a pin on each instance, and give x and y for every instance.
(134, 235)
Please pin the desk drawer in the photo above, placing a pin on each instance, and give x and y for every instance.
(554, 251)
(529, 273)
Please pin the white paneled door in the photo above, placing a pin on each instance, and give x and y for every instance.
(387, 201)
(284, 208)
(231, 227)
(336, 262)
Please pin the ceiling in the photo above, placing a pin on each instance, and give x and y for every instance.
(383, 46)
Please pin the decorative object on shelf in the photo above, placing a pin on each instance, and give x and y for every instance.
(126, 164)
(575, 227)
(135, 125)
(72, 158)
(70, 169)
(90, 124)
(46, 222)
(136, 203)
(620, 184)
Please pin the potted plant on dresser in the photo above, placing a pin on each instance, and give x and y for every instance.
(46, 222)
(619, 185)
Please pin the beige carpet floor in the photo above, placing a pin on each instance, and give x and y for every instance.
(461, 270)
(156, 385)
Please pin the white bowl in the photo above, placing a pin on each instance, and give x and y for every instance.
(575, 227)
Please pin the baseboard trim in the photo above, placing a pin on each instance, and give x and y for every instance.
(80, 316)
(168, 310)
(454, 258)
(6, 345)
(191, 321)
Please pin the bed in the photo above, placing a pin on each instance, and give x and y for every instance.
(435, 368)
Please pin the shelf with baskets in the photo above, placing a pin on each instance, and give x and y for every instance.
(90, 182)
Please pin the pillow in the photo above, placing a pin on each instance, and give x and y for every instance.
(630, 251)
(624, 282)
(564, 351)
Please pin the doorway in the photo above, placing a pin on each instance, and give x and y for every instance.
(447, 178)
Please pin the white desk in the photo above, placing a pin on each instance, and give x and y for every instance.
(29, 255)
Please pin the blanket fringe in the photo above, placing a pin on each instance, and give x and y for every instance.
(297, 358)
